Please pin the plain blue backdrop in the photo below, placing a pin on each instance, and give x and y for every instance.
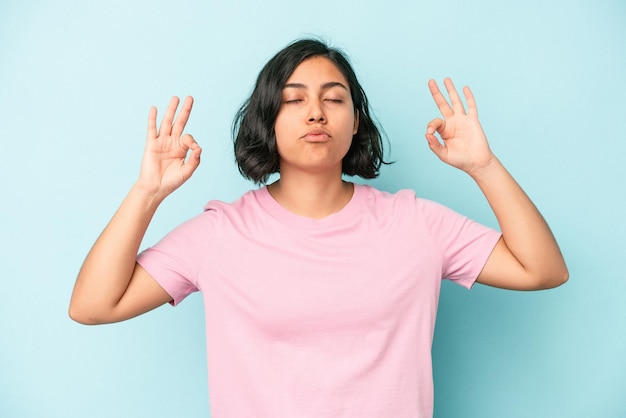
(77, 79)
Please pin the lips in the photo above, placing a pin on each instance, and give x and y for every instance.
(316, 135)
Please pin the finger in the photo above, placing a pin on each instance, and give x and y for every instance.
(168, 118)
(183, 117)
(457, 104)
(193, 161)
(152, 129)
(435, 125)
(187, 142)
(436, 147)
(440, 100)
(472, 109)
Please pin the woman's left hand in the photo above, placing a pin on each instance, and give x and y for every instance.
(527, 256)
(464, 142)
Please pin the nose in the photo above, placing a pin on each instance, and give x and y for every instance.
(316, 112)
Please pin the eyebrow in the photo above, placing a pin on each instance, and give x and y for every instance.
(325, 86)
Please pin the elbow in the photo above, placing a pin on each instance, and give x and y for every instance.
(83, 315)
(89, 310)
(77, 316)
(563, 277)
(554, 279)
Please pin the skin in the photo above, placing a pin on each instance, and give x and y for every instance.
(110, 286)
(527, 256)
(314, 128)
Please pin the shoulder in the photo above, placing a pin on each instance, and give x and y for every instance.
(379, 197)
(406, 207)
(404, 200)
(214, 214)
(246, 210)
(248, 202)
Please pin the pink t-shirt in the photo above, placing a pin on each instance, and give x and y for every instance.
(320, 318)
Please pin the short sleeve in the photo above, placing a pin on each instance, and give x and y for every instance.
(465, 245)
(174, 262)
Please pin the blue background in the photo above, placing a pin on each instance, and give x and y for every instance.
(76, 82)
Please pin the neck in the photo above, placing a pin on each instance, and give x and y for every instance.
(313, 196)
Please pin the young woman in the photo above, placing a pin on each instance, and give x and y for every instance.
(320, 294)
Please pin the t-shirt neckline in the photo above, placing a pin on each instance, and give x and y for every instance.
(348, 212)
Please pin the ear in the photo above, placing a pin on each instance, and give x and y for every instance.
(356, 122)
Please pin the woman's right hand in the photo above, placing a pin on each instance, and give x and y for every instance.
(163, 166)
(110, 286)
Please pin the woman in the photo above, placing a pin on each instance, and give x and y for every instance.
(320, 294)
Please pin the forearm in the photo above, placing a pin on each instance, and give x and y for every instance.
(109, 266)
(524, 230)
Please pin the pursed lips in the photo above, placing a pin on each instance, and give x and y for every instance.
(316, 135)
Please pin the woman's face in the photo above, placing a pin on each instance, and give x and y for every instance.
(316, 119)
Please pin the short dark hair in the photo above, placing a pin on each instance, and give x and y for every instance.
(253, 127)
